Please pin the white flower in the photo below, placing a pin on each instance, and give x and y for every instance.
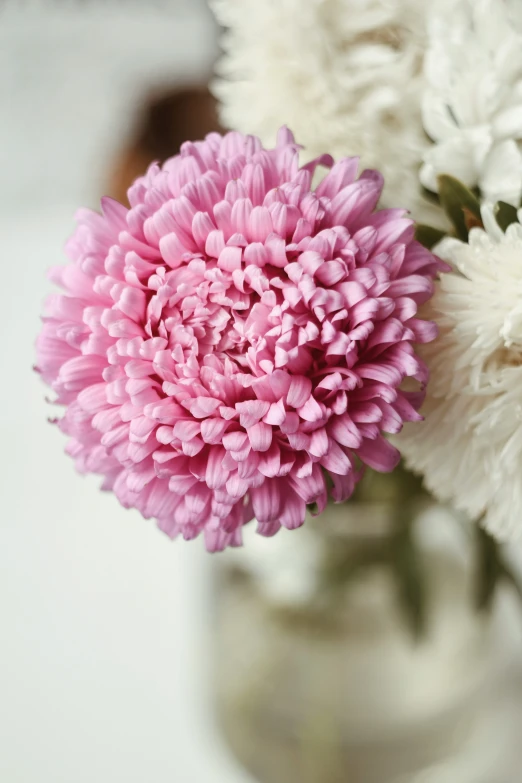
(470, 446)
(472, 105)
(344, 75)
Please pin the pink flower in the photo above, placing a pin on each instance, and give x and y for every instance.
(235, 334)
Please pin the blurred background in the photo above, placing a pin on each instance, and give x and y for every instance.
(104, 651)
(108, 643)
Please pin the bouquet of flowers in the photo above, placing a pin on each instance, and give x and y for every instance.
(266, 322)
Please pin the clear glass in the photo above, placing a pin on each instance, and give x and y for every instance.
(321, 680)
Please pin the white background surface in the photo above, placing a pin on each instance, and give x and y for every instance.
(104, 643)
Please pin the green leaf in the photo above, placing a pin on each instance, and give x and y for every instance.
(513, 580)
(492, 570)
(428, 235)
(459, 203)
(346, 562)
(410, 581)
(505, 214)
(471, 220)
(489, 570)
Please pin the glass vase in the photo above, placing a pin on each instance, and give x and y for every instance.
(335, 665)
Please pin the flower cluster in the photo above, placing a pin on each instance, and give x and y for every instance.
(470, 446)
(236, 335)
(472, 103)
(346, 75)
(469, 449)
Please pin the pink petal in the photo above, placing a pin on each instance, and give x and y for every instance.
(268, 529)
(424, 331)
(343, 173)
(299, 391)
(202, 226)
(181, 484)
(214, 243)
(366, 413)
(379, 454)
(336, 460)
(216, 477)
(276, 414)
(212, 430)
(291, 423)
(234, 441)
(186, 429)
(260, 224)
(293, 513)
(319, 444)
(266, 501)
(237, 487)
(260, 436)
(200, 407)
(251, 411)
(192, 447)
(344, 431)
(140, 429)
(311, 410)
(270, 461)
(230, 258)
(93, 398)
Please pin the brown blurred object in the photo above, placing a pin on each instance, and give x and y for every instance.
(165, 122)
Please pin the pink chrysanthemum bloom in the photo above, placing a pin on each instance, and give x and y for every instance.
(235, 336)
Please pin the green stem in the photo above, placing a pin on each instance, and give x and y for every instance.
(492, 569)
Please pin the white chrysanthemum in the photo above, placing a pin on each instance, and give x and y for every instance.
(472, 105)
(470, 446)
(345, 75)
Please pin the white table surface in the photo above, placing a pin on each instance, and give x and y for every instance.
(104, 644)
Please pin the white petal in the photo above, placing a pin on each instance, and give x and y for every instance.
(508, 123)
(489, 220)
(454, 156)
(501, 176)
(436, 117)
